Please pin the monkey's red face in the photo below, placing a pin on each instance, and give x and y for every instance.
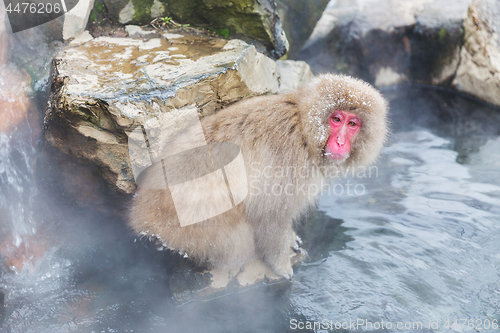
(344, 128)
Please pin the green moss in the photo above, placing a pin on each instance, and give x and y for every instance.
(182, 10)
(220, 32)
(142, 9)
(442, 34)
(99, 12)
(224, 33)
(226, 17)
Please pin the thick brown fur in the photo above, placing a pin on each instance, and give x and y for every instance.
(282, 139)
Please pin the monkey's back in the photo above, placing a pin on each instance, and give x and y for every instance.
(278, 155)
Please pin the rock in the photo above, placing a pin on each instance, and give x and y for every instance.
(479, 70)
(436, 40)
(76, 19)
(81, 38)
(137, 31)
(299, 17)
(105, 88)
(388, 42)
(256, 19)
(292, 75)
(18, 256)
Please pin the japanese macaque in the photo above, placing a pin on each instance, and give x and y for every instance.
(291, 144)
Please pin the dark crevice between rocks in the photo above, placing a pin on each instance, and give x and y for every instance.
(432, 50)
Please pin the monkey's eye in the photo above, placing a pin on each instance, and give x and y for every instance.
(336, 119)
(351, 123)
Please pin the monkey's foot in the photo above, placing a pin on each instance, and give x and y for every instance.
(187, 284)
(283, 268)
(255, 272)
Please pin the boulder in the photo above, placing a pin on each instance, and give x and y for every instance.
(76, 19)
(105, 88)
(292, 75)
(478, 73)
(256, 19)
(389, 42)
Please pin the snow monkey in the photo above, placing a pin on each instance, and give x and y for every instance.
(291, 145)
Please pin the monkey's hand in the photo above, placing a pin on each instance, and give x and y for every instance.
(296, 243)
(285, 269)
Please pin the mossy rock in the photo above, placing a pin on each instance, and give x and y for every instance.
(255, 19)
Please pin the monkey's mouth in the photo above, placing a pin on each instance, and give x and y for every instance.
(337, 157)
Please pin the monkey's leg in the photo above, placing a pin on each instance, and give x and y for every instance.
(233, 245)
(273, 246)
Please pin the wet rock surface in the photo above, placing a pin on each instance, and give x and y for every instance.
(106, 87)
(255, 19)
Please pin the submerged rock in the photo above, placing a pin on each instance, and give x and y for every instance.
(105, 88)
(14, 101)
(27, 253)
